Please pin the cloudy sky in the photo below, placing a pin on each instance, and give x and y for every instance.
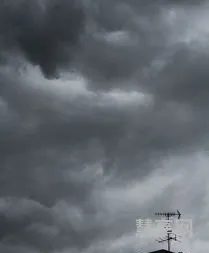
(104, 109)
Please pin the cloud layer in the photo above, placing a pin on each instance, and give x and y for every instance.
(103, 119)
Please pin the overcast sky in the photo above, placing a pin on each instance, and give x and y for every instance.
(104, 109)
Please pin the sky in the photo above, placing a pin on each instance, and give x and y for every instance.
(104, 110)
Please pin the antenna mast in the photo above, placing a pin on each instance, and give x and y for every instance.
(169, 232)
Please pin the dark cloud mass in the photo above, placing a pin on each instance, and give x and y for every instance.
(103, 117)
(47, 32)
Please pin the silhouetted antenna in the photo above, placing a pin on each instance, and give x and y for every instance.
(170, 236)
(169, 214)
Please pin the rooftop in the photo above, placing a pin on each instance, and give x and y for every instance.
(161, 251)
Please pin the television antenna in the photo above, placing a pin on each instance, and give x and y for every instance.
(170, 235)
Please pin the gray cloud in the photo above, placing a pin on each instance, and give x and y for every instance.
(47, 32)
(121, 133)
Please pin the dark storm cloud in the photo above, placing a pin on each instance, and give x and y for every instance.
(57, 146)
(129, 37)
(47, 32)
(185, 78)
(28, 223)
(44, 151)
(103, 57)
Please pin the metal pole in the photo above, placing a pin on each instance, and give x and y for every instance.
(169, 245)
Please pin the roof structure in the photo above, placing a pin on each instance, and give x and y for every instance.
(161, 251)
